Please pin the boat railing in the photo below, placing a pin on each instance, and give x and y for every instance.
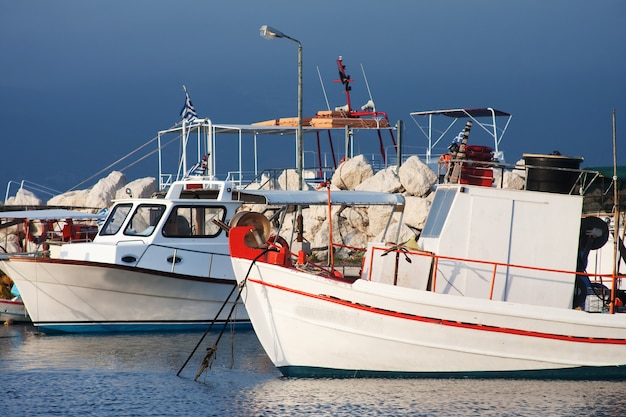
(579, 180)
(496, 270)
(31, 186)
(166, 180)
(270, 178)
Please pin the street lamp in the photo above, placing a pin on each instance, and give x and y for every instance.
(268, 32)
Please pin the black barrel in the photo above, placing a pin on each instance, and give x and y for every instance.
(559, 181)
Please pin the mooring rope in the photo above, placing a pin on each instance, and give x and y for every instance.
(207, 330)
(210, 354)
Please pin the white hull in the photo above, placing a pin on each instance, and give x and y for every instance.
(13, 311)
(314, 326)
(75, 296)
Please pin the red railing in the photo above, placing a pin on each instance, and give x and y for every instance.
(593, 277)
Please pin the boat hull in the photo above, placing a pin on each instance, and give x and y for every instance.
(311, 326)
(78, 296)
(13, 311)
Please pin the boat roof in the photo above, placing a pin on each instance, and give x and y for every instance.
(485, 118)
(474, 112)
(50, 214)
(306, 197)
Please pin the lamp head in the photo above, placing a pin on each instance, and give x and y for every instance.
(269, 32)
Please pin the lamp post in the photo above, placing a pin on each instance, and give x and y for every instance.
(268, 32)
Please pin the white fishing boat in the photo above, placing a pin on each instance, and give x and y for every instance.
(156, 263)
(495, 286)
(13, 311)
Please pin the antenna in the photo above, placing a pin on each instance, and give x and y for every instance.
(323, 89)
(345, 80)
(370, 103)
(366, 83)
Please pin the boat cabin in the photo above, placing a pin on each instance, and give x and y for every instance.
(482, 241)
(175, 232)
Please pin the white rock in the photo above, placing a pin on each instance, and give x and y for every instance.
(416, 211)
(350, 230)
(76, 198)
(385, 180)
(352, 172)
(24, 197)
(416, 177)
(391, 236)
(288, 180)
(378, 217)
(140, 188)
(513, 180)
(104, 191)
(520, 168)
(11, 244)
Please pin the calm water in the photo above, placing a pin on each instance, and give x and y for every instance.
(135, 375)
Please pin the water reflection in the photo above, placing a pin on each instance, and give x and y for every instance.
(135, 374)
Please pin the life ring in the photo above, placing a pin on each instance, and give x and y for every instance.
(28, 226)
(445, 160)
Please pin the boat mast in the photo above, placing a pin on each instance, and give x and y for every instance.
(345, 80)
(615, 222)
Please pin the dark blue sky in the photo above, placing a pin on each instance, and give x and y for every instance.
(83, 83)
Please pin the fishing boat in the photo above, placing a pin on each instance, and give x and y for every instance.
(494, 286)
(156, 264)
(13, 311)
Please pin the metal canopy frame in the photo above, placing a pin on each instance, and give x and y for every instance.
(485, 118)
(206, 132)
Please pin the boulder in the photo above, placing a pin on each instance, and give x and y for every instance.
(288, 180)
(406, 234)
(416, 177)
(105, 190)
(378, 217)
(416, 211)
(140, 188)
(76, 198)
(349, 231)
(11, 244)
(352, 172)
(24, 197)
(511, 179)
(385, 180)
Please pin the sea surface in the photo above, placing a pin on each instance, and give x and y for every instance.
(136, 375)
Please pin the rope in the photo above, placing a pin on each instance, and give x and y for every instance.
(210, 354)
(207, 361)
(123, 158)
(207, 330)
(340, 245)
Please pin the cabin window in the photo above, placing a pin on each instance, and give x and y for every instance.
(144, 220)
(115, 219)
(438, 212)
(194, 221)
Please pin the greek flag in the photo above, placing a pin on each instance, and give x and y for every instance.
(196, 170)
(458, 138)
(188, 112)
